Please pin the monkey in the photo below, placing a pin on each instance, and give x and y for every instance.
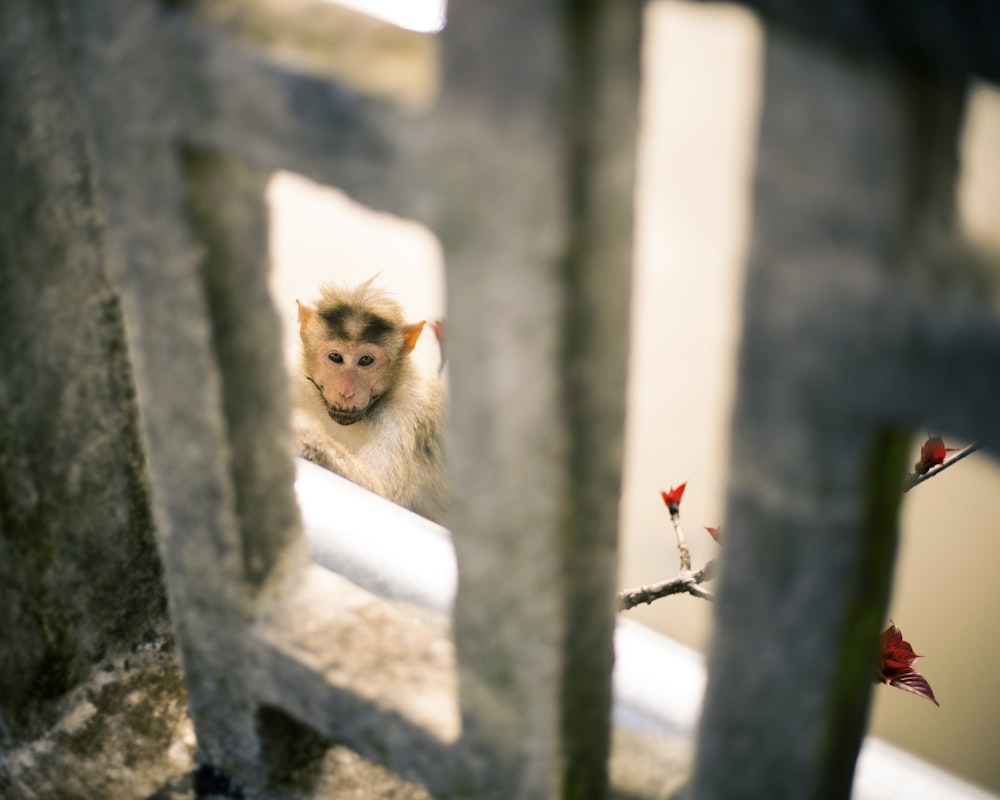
(363, 408)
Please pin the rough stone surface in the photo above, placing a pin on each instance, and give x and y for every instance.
(539, 139)
(125, 733)
(79, 573)
(331, 41)
(953, 36)
(122, 733)
(864, 315)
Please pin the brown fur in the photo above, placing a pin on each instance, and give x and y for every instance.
(364, 409)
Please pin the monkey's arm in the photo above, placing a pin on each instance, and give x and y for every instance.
(316, 445)
(408, 449)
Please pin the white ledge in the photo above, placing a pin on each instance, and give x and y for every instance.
(382, 547)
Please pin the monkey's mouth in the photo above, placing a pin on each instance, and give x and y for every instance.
(339, 415)
(342, 417)
(345, 417)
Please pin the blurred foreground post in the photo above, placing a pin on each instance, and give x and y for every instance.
(865, 314)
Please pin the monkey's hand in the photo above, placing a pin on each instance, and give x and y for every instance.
(314, 444)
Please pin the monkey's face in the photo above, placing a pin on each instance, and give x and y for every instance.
(350, 377)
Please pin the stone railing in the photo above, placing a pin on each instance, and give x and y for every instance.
(145, 390)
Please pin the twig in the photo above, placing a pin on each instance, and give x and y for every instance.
(914, 479)
(682, 550)
(687, 582)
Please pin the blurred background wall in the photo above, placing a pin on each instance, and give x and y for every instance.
(701, 96)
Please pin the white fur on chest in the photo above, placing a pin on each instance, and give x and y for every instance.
(353, 437)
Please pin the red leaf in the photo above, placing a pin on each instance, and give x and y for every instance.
(673, 498)
(932, 453)
(913, 681)
(895, 666)
(715, 533)
(896, 651)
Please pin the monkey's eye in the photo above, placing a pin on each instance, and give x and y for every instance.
(336, 358)
(366, 361)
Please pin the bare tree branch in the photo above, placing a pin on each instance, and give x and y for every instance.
(686, 582)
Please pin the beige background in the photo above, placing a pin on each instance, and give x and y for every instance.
(701, 98)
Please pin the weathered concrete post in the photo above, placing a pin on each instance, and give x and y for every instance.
(539, 109)
(79, 575)
(864, 315)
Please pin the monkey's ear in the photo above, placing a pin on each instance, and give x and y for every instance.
(305, 314)
(410, 335)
